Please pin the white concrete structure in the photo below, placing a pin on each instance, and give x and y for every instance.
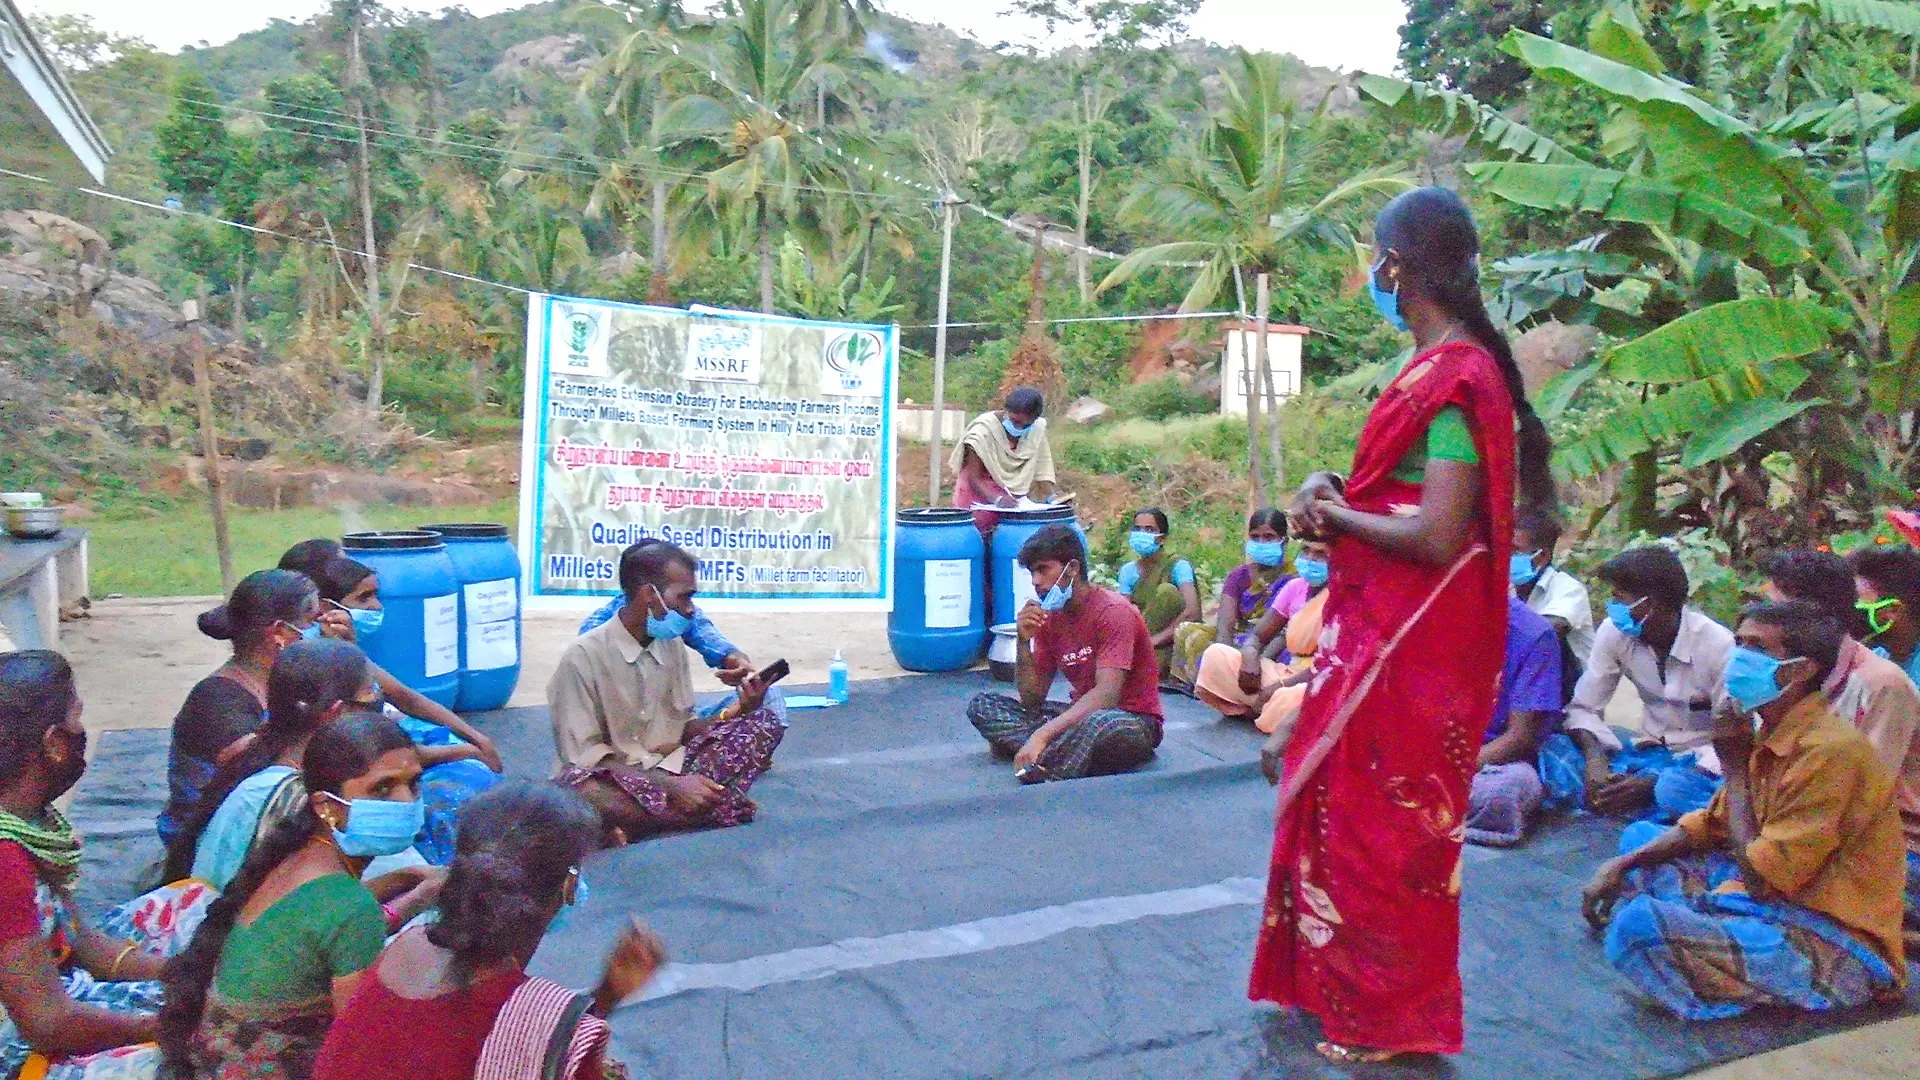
(44, 130)
(1237, 364)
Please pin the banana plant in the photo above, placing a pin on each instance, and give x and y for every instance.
(1790, 236)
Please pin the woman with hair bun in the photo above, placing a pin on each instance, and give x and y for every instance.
(1362, 923)
(269, 610)
(456, 994)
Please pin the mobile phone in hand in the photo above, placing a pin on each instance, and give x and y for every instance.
(774, 672)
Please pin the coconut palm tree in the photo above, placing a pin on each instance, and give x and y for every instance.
(1246, 192)
(771, 172)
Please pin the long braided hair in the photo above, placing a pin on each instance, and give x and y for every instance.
(1433, 232)
(308, 680)
(339, 752)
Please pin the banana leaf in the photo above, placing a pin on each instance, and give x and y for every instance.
(1716, 154)
(1560, 390)
(1738, 425)
(1426, 107)
(1756, 334)
(1676, 414)
(1625, 197)
(1899, 19)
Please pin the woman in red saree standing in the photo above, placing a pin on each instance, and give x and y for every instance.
(1362, 923)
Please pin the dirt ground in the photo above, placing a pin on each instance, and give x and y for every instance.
(136, 660)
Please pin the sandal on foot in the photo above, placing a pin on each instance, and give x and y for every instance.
(1353, 1055)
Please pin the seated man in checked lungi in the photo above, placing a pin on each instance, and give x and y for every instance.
(1785, 889)
(1099, 641)
(624, 719)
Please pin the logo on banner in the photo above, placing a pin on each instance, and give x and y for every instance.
(580, 338)
(720, 352)
(854, 363)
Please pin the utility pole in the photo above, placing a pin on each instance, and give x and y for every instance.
(1273, 399)
(950, 205)
(210, 441)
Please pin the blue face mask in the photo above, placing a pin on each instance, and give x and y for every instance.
(1312, 571)
(378, 827)
(1752, 677)
(669, 626)
(1520, 569)
(1266, 552)
(1387, 302)
(1057, 597)
(1621, 615)
(307, 632)
(1016, 432)
(1143, 542)
(366, 620)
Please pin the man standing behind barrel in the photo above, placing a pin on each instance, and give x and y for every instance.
(1003, 457)
(624, 720)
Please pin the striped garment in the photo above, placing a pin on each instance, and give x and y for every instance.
(544, 1032)
(1104, 742)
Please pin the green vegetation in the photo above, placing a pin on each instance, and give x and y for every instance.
(171, 553)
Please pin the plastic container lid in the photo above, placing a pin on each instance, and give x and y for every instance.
(469, 530)
(389, 541)
(934, 515)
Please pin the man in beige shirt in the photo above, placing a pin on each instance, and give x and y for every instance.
(623, 712)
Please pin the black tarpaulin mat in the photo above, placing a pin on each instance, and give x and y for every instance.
(903, 909)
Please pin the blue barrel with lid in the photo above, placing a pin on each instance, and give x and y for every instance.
(418, 641)
(489, 571)
(1012, 585)
(939, 617)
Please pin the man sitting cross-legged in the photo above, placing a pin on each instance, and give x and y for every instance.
(1506, 791)
(1098, 640)
(1785, 889)
(624, 719)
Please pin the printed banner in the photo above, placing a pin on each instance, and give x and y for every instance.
(761, 444)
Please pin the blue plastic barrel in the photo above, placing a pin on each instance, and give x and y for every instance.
(489, 573)
(939, 618)
(1012, 585)
(419, 639)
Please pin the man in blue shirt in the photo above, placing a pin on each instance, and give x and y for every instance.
(1506, 791)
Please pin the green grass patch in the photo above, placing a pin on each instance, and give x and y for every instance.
(171, 552)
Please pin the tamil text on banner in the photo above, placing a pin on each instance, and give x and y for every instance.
(761, 444)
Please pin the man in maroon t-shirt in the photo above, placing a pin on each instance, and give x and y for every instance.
(1097, 639)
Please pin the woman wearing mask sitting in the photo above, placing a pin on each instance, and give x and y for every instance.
(284, 947)
(456, 993)
(1159, 582)
(78, 1000)
(314, 683)
(1248, 593)
(268, 610)
(460, 762)
(1245, 683)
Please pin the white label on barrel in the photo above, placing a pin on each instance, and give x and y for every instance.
(1023, 590)
(442, 634)
(492, 645)
(490, 601)
(949, 593)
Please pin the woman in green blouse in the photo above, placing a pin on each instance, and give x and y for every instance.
(285, 945)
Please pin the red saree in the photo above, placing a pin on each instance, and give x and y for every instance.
(1362, 923)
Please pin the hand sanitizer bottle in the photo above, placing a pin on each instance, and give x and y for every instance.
(837, 678)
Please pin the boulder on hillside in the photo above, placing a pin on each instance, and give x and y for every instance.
(1086, 410)
(564, 55)
(1551, 348)
(49, 259)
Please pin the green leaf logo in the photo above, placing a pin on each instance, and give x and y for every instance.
(852, 352)
(581, 330)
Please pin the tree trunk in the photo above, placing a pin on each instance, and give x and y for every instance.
(376, 314)
(766, 254)
(657, 254)
(238, 294)
(477, 378)
(866, 252)
(1640, 491)
(1080, 258)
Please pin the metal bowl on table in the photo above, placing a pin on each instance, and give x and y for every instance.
(35, 522)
